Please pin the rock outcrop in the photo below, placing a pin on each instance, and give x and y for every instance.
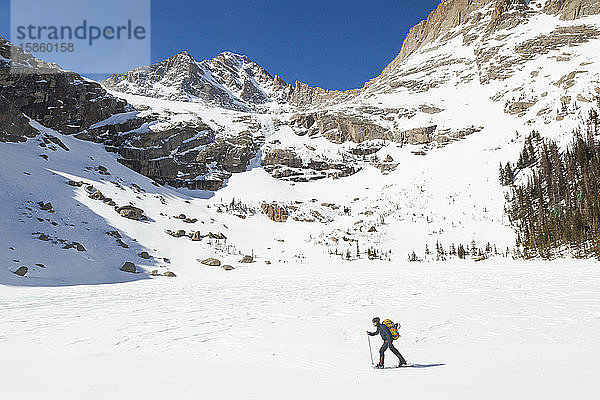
(450, 14)
(130, 212)
(338, 128)
(213, 262)
(129, 267)
(303, 95)
(572, 9)
(232, 154)
(287, 165)
(275, 212)
(246, 259)
(58, 99)
(14, 125)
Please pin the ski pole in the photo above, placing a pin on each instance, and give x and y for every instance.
(370, 351)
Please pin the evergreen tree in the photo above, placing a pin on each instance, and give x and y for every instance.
(452, 250)
(461, 252)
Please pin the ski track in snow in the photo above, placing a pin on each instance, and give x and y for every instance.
(498, 332)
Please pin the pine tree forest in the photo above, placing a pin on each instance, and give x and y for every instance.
(553, 196)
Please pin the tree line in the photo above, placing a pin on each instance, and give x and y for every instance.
(554, 196)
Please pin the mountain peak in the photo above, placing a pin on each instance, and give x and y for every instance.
(183, 54)
(230, 54)
(181, 57)
(229, 80)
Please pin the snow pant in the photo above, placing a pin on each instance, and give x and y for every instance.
(384, 347)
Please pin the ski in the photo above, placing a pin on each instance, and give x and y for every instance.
(396, 367)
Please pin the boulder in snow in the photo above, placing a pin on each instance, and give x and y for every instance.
(196, 237)
(97, 195)
(45, 206)
(129, 267)
(130, 212)
(246, 259)
(213, 262)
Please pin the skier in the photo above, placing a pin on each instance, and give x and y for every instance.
(386, 335)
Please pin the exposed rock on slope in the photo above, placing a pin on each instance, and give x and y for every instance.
(14, 125)
(57, 99)
(275, 212)
(474, 17)
(572, 9)
(450, 14)
(305, 96)
(338, 128)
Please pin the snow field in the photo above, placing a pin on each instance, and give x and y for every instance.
(521, 331)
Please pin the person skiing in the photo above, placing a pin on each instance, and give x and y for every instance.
(386, 335)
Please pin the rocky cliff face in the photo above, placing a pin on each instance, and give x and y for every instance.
(14, 125)
(304, 96)
(572, 9)
(57, 99)
(474, 17)
(454, 13)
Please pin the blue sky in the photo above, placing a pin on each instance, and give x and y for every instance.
(335, 44)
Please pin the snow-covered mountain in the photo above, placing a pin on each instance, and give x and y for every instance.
(409, 161)
(229, 81)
